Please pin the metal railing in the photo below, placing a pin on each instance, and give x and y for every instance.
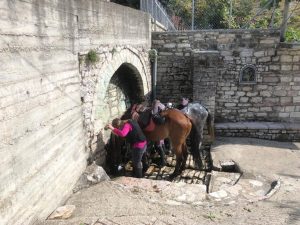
(157, 12)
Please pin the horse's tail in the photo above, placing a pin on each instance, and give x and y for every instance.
(210, 127)
(193, 142)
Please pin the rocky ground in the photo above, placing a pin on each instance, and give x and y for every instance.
(266, 166)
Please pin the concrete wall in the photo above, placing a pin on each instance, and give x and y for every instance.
(42, 140)
(275, 95)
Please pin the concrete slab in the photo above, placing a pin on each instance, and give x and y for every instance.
(275, 126)
(255, 125)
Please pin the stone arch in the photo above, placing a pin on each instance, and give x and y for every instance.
(125, 58)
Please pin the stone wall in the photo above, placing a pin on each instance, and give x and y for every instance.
(43, 105)
(119, 77)
(274, 96)
(264, 130)
(206, 66)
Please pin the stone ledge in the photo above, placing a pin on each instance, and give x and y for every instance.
(259, 126)
(280, 131)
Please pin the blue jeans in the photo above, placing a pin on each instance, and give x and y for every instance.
(137, 154)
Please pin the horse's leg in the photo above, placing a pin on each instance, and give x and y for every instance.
(196, 142)
(205, 154)
(184, 157)
(179, 160)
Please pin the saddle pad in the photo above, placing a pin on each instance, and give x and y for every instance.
(150, 127)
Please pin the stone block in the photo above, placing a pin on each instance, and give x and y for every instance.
(259, 54)
(274, 67)
(229, 93)
(296, 67)
(286, 58)
(264, 59)
(165, 53)
(252, 94)
(225, 88)
(286, 78)
(256, 99)
(267, 41)
(265, 109)
(270, 79)
(262, 87)
(169, 45)
(296, 88)
(244, 99)
(289, 108)
(246, 53)
(253, 109)
(63, 212)
(230, 104)
(286, 67)
(280, 93)
(271, 52)
(271, 100)
(261, 114)
(296, 58)
(284, 115)
(265, 94)
(297, 78)
(240, 93)
(296, 99)
(275, 59)
(285, 100)
(184, 45)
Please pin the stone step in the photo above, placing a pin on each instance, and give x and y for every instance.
(280, 131)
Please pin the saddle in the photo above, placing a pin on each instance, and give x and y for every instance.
(158, 119)
(146, 120)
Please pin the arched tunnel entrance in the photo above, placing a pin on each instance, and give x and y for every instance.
(125, 88)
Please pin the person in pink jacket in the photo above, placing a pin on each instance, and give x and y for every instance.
(131, 131)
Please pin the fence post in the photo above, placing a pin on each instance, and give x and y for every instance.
(273, 12)
(193, 14)
(230, 15)
(284, 20)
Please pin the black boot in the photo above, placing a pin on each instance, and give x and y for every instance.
(166, 151)
(145, 162)
(161, 153)
(139, 172)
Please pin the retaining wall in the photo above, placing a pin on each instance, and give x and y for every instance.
(42, 140)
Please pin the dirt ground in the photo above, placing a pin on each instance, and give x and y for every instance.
(109, 203)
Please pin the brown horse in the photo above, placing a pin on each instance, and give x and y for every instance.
(177, 128)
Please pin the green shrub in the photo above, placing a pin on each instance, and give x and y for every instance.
(292, 35)
(92, 57)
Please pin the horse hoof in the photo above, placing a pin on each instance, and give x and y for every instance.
(171, 177)
(161, 168)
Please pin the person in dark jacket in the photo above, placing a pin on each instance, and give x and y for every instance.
(183, 104)
(132, 132)
(159, 146)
